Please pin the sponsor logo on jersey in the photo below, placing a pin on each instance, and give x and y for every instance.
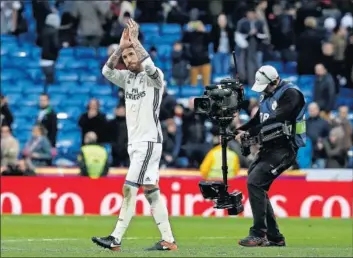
(135, 94)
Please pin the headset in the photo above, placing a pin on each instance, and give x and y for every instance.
(271, 82)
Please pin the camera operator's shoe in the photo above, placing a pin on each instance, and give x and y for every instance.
(108, 242)
(253, 241)
(163, 246)
(279, 241)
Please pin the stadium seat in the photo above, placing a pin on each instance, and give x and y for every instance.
(12, 74)
(167, 39)
(21, 123)
(29, 113)
(18, 62)
(149, 28)
(304, 155)
(58, 88)
(14, 99)
(88, 77)
(31, 100)
(173, 90)
(66, 76)
(191, 91)
(84, 52)
(8, 48)
(168, 28)
(66, 125)
(33, 89)
(19, 52)
(93, 64)
(69, 51)
(77, 101)
(290, 67)
(79, 91)
(103, 52)
(216, 78)
(33, 64)
(306, 79)
(57, 98)
(289, 77)
(9, 88)
(101, 90)
(77, 64)
(165, 51)
(36, 74)
(73, 113)
(36, 53)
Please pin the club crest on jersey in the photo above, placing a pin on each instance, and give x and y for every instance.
(135, 94)
(274, 105)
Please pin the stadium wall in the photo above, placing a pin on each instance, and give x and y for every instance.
(52, 195)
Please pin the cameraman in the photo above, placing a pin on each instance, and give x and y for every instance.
(280, 101)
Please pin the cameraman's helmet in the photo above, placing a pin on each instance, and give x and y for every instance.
(265, 76)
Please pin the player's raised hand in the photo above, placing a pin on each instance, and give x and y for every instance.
(133, 29)
(125, 41)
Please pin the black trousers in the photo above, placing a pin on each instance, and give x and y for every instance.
(260, 177)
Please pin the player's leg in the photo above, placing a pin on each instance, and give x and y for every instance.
(274, 236)
(138, 155)
(149, 180)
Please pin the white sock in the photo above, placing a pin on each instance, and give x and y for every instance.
(127, 211)
(160, 214)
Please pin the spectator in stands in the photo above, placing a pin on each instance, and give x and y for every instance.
(180, 65)
(211, 166)
(10, 147)
(249, 36)
(334, 149)
(154, 56)
(324, 90)
(282, 35)
(194, 145)
(327, 59)
(41, 9)
(172, 139)
(308, 46)
(93, 159)
(91, 16)
(12, 18)
(175, 13)
(6, 117)
(50, 47)
(339, 41)
(342, 120)
(117, 131)
(349, 61)
(37, 150)
(21, 168)
(68, 26)
(47, 118)
(167, 106)
(198, 39)
(222, 37)
(93, 121)
(317, 129)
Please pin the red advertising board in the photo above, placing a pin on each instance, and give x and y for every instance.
(82, 196)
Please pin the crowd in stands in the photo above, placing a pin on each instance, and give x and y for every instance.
(316, 36)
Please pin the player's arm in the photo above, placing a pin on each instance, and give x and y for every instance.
(148, 65)
(117, 76)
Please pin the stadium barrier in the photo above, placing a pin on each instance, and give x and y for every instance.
(84, 196)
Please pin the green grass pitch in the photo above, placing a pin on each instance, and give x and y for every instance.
(38, 236)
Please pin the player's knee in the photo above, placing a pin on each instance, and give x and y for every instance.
(127, 191)
(152, 194)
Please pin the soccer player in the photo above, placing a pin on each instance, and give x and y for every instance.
(143, 85)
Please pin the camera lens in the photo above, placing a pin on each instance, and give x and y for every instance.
(204, 105)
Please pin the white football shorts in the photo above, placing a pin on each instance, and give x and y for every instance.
(144, 163)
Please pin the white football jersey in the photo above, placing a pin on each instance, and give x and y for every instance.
(143, 97)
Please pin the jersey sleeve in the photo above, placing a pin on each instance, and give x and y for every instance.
(154, 73)
(118, 77)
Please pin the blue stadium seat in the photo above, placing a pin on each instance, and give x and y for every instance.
(168, 39)
(14, 99)
(290, 67)
(64, 61)
(33, 89)
(88, 77)
(23, 136)
(19, 52)
(103, 52)
(216, 78)
(171, 29)
(6, 39)
(8, 48)
(191, 91)
(276, 64)
(57, 98)
(306, 79)
(67, 141)
(110, 103)
(29, 113)
(149, 28)
(304, 155)
(77, 64)
(58, 88)
(21, 123)
(69, 51)
(73, 113)
(101, 90)
(289, 77)
(17, 62)
(151, 38)
(66, 76)
(9, 88)
(79, 91)
(84, 52)
(66, 125)
(173, 90)
(31, 100)
(165, 51)
(93, 64)
(33, 64)
(12, 75)
(36, 74)
(36, 52)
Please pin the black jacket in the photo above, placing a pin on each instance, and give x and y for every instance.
(216, 35)
(49, 121)
(96, 124)
(197, 49)
(50, 43)
(6, 117)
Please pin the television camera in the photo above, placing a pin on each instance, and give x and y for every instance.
(220, 102)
